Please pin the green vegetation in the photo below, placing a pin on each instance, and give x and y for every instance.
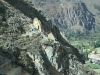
(84, 42)
(97, 44)
(93, 66)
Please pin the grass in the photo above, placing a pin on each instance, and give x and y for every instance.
(93, 66)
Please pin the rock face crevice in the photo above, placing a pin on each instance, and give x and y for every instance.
(29, 51)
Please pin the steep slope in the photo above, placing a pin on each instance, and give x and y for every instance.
(94, 7)
(24, 47)
(67, 14)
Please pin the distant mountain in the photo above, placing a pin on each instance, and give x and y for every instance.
(67, 14)
(94, 7)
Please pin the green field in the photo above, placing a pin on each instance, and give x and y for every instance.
(93, 66)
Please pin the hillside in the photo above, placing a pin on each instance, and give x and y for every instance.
(31, 45)
(69, 15)
(94, 7)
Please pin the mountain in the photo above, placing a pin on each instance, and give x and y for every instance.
(31, 45)
(94, 7)
(67, 14)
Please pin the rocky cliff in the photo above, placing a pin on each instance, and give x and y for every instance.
(67, 14)
(26, 50)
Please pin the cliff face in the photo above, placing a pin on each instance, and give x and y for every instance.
(68, 14)
(26, 50)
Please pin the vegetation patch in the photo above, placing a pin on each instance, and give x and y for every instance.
(93, 66)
